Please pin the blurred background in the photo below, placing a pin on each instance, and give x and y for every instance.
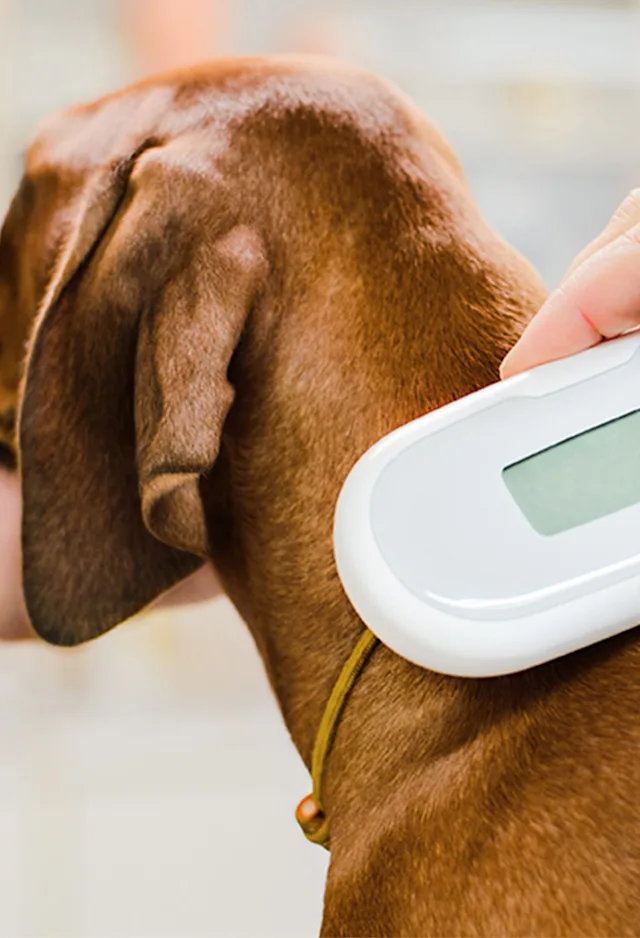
(147, 785)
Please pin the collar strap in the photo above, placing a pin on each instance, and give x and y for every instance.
(310, 813)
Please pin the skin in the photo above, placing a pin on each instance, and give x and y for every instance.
(599, 297)
(14, 622)
(261, 267)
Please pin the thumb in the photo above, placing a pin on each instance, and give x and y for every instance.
(599, 299)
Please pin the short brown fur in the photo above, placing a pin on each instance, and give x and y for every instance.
(245, 275)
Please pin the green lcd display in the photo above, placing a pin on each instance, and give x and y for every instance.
(581, 479)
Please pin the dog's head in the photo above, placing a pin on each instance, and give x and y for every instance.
(292, 236)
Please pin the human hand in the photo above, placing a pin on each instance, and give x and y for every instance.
(14, 622)
(599, 297)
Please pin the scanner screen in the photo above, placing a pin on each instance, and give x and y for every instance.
(581, 479)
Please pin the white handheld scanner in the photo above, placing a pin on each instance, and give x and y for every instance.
(503, 530)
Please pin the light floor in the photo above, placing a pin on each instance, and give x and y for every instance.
(147, 788)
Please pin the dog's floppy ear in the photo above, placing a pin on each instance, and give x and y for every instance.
(126, 390)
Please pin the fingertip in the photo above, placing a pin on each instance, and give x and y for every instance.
(507, 368)
(532, 347)
(558, 330)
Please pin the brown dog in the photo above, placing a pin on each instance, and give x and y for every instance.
(245, 275)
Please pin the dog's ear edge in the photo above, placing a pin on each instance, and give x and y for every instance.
(109, 460)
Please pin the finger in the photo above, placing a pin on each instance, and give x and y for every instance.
(600, 299)
(626, 217)
(14, 623)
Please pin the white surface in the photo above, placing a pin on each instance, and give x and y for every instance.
(441, 563)
(148, 788)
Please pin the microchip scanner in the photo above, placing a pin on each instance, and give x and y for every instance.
(503, 530)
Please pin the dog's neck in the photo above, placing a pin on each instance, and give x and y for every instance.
(296, 429)
(274, 551)
(303, 653)
(422, 764)
(305, 641)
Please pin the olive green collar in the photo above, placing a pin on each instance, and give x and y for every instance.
(310, 812)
